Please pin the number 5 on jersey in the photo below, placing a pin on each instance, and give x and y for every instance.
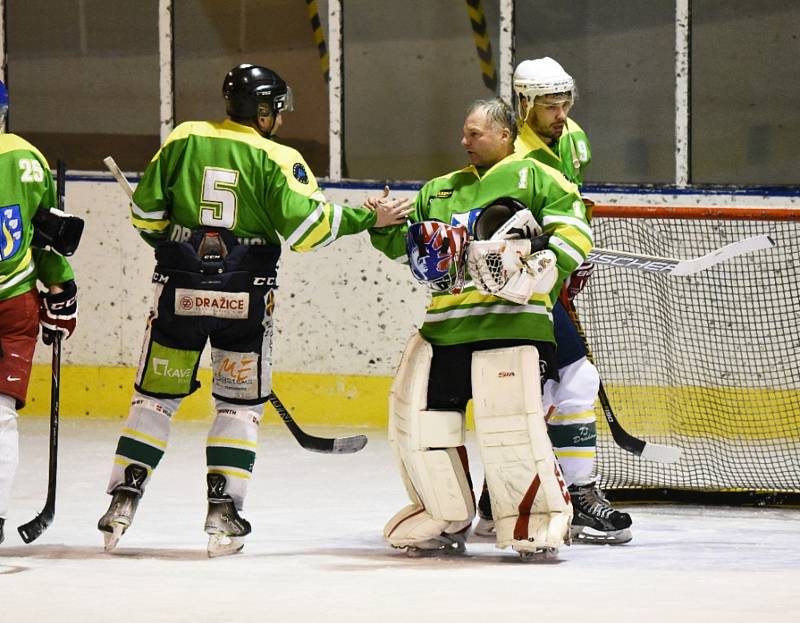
(219, 201)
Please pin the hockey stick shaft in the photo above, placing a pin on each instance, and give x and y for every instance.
(327, 445)
(649, 451)
(337, 445)
(111, 165)
(33, 529)
(677, 267)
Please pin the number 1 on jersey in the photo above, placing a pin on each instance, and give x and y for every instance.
(219, 201)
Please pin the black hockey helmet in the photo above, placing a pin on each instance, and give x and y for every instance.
(250, 90)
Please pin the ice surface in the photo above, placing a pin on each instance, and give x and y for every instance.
(316, 552)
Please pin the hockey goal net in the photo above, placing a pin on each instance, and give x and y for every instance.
(708, 362)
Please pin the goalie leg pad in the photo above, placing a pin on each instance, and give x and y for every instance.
(428, 446)
(530, 503)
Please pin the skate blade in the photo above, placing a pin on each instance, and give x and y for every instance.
(540, 554)
(584, 534)
(224, 545)
(449, 549)
(110, 539)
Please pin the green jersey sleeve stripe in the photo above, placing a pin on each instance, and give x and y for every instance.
(314, 229)
(567, 220)
(137, 211)
(148, 226)
(567, 249)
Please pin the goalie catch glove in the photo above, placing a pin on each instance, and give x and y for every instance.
(506, 269)
(58, 312)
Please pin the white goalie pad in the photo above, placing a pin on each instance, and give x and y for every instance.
(530, 503)
(425, 444)
(506, 268)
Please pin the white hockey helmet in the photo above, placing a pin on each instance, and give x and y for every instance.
(541, 76)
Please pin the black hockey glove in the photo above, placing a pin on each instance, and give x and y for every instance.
(59, 312)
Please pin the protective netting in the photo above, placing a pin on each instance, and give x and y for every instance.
(709, 362)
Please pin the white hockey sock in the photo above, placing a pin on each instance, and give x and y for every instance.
(232, 444)
(144, 437)
(9, 449)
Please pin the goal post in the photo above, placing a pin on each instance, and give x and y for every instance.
(707, 362)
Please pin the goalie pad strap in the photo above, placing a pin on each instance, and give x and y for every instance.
(530, 502)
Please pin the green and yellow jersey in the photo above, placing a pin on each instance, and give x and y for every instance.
(458, 198)
(26, 185)
(227, 175)
(570, 155)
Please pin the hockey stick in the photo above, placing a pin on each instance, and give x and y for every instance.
(111, 165)
(676, 267)
(648, 451)
(338, 445)
(35, 527)
(327, 445)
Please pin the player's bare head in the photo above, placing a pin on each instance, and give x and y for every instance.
(3, 106)
(489, 132)
(544, 94)
(256, 96)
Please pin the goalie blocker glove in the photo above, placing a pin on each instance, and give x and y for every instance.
(58, 312)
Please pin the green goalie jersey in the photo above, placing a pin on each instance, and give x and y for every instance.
(570, 155)
(26, 185)
(227, 175)
(458, 198)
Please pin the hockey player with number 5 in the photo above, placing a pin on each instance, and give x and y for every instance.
(27, 202)
(545, 94)
(216, 202)
(485, 341)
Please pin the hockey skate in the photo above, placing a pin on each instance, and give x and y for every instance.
(595, 520)
(226, 529)
(442, 545)
(124, 501)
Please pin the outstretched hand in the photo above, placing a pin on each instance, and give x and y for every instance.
(389, 211)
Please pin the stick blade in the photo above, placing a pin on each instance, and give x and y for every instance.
(723, 254)
(660, 453)
(35, 527)
(349, 445)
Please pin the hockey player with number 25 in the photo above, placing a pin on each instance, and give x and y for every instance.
(490, 341)
(215, 281)
(27, 194)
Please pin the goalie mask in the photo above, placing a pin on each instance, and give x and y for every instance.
(436, 255)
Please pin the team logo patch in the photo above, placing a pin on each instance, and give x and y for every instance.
(300, 173)
(231, 305)
(10, 231)
(236, 374)
(442, 194)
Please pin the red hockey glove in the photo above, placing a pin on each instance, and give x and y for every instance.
(578, 279)
(59, 312)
